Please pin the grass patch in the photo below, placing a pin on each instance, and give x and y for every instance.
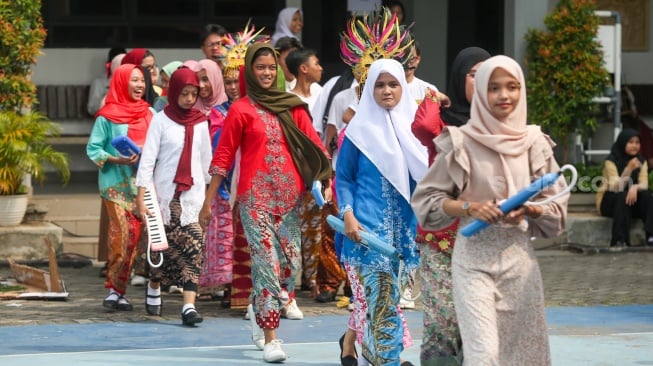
(8, 288)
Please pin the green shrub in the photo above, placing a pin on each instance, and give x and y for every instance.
(24, 147)
(565, 71)
(21, 39)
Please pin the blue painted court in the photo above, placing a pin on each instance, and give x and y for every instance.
(602, 336)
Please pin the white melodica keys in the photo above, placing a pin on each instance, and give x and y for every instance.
(156, 234)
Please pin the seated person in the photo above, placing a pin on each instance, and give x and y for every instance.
(623, 194)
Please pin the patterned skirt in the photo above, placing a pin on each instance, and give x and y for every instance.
(182, 261)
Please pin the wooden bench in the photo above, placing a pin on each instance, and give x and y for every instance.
(63, 102)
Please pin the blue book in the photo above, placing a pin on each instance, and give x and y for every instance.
(125, 146)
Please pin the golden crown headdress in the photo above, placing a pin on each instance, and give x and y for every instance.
(234, 46)
(377, 35)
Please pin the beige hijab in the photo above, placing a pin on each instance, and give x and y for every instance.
(512, 138)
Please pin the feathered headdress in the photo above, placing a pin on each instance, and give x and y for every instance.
(234, 47)
(377, 35)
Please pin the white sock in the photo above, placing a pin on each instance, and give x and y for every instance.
(187, 307)
(153, 292)
(113, 295)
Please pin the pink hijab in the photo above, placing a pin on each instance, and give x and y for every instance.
(218, 95)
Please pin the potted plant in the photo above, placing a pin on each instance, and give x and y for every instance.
(24, 148)
(565, 71)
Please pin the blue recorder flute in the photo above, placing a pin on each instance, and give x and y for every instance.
(523, 196)
(367, 239)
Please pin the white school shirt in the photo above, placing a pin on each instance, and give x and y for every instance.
(319, 113)
(316, 90)
(159, 160)
(344, 99)
(417, 89)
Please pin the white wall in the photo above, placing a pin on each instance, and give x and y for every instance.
(430, 18)
(520, 16)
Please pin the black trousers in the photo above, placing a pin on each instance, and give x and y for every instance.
(614, 205)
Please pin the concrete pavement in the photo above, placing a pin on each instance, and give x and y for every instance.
(599, 311)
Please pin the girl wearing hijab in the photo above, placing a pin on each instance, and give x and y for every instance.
(624, 193)
(124, 113)
(497, 286)
(166, 73)
(217, 265)
(144, 58)
(268, 125)
(211, 86)
(175, 159)
(289, 24)
(375, 178)
(441, 339)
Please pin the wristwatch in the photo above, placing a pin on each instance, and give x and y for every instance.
(466, 206)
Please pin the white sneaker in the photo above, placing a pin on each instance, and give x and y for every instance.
(138, 280)
(175, 290)
(257, 333)
(405, 302)
(291, 311)
(272, 351)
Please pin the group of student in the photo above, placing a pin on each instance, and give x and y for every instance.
(232, 145)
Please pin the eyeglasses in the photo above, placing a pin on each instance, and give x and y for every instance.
(213, 44)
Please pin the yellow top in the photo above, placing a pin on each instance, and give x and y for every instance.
(611, 181)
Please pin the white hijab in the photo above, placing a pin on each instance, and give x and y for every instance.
(282, 28)
(384, 136)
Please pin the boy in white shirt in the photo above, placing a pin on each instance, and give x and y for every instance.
(304, 64)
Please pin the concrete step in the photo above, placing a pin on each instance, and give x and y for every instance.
(69, 204)
(590, 229)
(76, 214)
(77, 225)
(26, 241)
(87, 245)
(582, 202)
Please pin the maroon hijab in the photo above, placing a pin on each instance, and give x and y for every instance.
(186, 117)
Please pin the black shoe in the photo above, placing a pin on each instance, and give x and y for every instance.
(191, 317)
(154, 310)
(347, 360)
(109, 302)
(407, 363)
(124, 305)
(327, 296)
